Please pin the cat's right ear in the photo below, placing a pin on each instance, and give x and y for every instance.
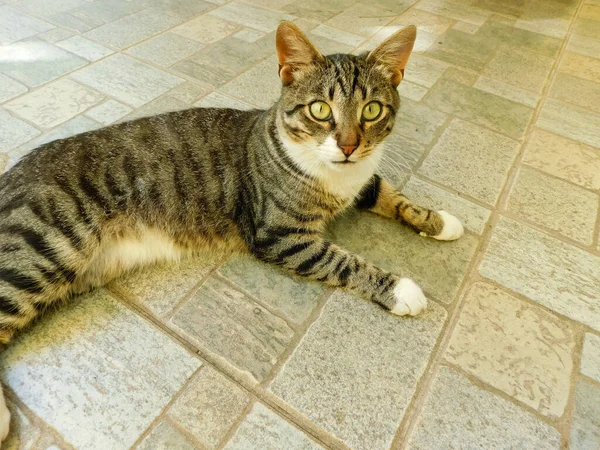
(295, 52)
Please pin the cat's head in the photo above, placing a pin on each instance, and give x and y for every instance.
(335, 110)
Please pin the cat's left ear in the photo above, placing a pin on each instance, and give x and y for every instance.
(391, 56)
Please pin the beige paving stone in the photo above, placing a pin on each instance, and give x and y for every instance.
(570, 121)
(252, 16)
(110, 363)
(507, 91)
(464, 77)
(516, 347)
(344, 37)
(249, 35)
(14, 132)
(227, 323)
(108, 112)
(208, 407)
(438, 268)
(468, 28)
(587, 27)
(15, 26)
(590, 12)
(411, 90)
(424, 71)
(471, 159)
(585, 428)
(161, 288)
(519, 67)
(292, 296)
(424, 21)
(54, 103)
(217, 100)
(459, 414)
(127, 79)
(55, 35)
(590, 358)
(454, 11)
(162, 104)
(555, 204)
(557, 275)
(418, 122)
(23, 432)
(166, 49)
(356, 369)
(259, 86)
(84, 48)
(480, 107)
(584, 45)
(264, 430)
(3, 162)
(499, 32)
(165, 436)
(400, 156)
(472, 216)
(10, 88)
(206, 29)
(578, 91)
(580, 66)
(462, 49)
(189, 92)
(363, 19)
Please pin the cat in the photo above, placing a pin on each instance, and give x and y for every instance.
(78, 212)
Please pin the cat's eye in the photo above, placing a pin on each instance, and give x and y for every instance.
(320, 110)
(371, 111)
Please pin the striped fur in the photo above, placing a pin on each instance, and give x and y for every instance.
(78, 212)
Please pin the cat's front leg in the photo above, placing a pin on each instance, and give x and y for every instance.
(380, 197)
(315, 258)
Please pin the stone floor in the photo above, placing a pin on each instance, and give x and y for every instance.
(500, 124)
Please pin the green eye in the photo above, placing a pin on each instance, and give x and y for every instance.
(371, 111)
(320, 110)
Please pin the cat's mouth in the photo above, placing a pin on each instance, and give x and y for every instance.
(346, 161)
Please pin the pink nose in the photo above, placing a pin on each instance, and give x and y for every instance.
(348, 149)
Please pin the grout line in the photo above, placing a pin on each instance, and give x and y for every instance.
(238, 422)
(567, 417)
(189, 436)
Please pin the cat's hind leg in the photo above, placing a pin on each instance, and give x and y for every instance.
(380, 197)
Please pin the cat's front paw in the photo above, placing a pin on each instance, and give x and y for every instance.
(452, 230)
(409, 298)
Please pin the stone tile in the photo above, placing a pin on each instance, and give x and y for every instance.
(466, 27)
(161, 288)
(417, 121)
(363, 19)
(585, 429)
(249, 35)
(425, 22)
(485, 109)
(14, 132)
(590, 359)
(462, 49)
(471, 159)
(76, 22)
(208, 407)
(51, 62)
(104, 11)
(344, 37)
(507, 91)
(259, 86)
(111, 366)
(84, 48)
(459, 414)
(23, 432)
(54, 103)
(162, 104)
(206, 29)
(472, 216)
(555, 204)
(10, 88)
(108, 112)
(165, 436)
(580, 66)
(216, 100)
(15, 26)
(3, 162)
(423, 42)
(464, 13)
(557, 275)
(189, 92)
(578, 91)
(47, 9)
(520, 68)
(590, 12)
(54, 35)
(548, 18)
(463, 77)
(399, 158)
(438, 268)
(264, 430)
(587, 27)
(393, 6)
(317, 10)
(503, 33)
(166, 49)
(563, 158)
(584, 45)
(181, 9)
(424, 71)
(292, 296)
(48, 441)
(330, 377)
(249, 15)
(570, 121)
(516, 347)
(328, 46)
(411, 90)
(132, 29)
(227, 323)
(127, 79)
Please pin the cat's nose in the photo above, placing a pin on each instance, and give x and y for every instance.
(348, 149)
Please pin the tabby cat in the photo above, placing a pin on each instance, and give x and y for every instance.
(78, 212)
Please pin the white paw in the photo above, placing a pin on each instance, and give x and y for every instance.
(4, 419)
(452, 230)
(409, 298)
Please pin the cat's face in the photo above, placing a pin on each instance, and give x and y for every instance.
(335, 111)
